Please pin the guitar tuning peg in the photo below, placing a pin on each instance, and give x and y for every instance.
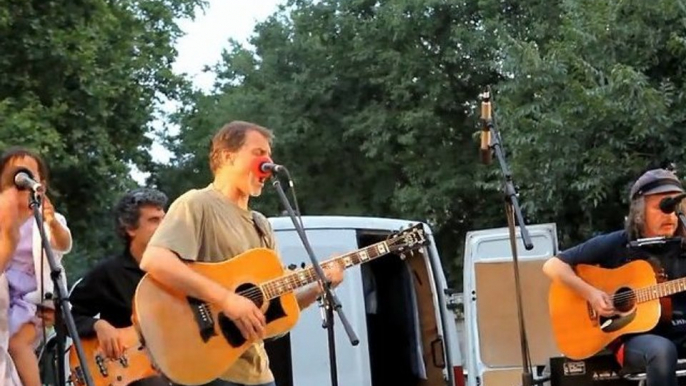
(292, 267)
(302, 265)
(403, 256)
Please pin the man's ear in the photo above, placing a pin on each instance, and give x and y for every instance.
(130, 231)
(228, 157)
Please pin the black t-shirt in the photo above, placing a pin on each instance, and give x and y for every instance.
(612, 250)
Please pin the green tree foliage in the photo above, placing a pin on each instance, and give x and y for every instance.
(80, 82)
(370, 104)
(375, 108)
(594, 106)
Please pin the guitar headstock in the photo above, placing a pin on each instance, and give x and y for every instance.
(408, 240)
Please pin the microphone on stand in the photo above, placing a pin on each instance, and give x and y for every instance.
(485, 149)
(669, 204)
(23, 180)
(263, 167)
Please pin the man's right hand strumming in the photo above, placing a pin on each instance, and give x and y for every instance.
(601, 302)
(110, 339)
(248, 318)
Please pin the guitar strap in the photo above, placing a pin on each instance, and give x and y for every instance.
(262, 228)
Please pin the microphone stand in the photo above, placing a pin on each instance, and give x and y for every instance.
(62, 304)
(329, 299)
(512, 211)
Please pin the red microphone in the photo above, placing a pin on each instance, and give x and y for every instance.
(263, 167)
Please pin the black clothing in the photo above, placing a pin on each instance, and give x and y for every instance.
(107, 290)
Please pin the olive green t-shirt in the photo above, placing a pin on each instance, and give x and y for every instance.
(203, 225)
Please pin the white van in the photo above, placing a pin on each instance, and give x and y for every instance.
(493, 349)
(397, 308)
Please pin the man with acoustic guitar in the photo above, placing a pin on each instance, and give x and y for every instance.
(108, 289)
(214, 224)
(653, 346)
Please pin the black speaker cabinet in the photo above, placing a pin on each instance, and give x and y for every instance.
(598, 370)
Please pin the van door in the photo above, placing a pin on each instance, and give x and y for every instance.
(412, 335)
(450, 335)
(302, 357)
(493, 343)
(395, 307)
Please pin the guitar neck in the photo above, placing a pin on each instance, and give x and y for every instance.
(298, 279)
(661, 290)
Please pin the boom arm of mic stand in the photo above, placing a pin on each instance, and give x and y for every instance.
(62, 304)
(510, 191)
(335, 304)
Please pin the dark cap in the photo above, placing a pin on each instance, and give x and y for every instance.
(656, 181)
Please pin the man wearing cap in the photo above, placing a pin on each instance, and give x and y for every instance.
(655, 351)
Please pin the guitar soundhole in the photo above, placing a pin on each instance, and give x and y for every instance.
(624, 300)
(251, 292)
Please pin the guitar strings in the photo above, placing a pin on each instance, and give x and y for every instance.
(641, 292)
(258, 293)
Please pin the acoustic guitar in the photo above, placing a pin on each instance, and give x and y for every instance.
(637, 293)
(193, 342)
(133, 365)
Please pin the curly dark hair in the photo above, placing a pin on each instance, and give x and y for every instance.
(127, 211)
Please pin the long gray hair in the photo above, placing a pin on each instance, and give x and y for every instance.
(635, 221)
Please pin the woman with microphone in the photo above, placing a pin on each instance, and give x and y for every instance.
(9, 236)
(27, 271)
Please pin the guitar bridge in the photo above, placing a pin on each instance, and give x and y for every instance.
(203, 317)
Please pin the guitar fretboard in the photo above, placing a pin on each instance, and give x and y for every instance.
(290, 282)
(660, 290)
